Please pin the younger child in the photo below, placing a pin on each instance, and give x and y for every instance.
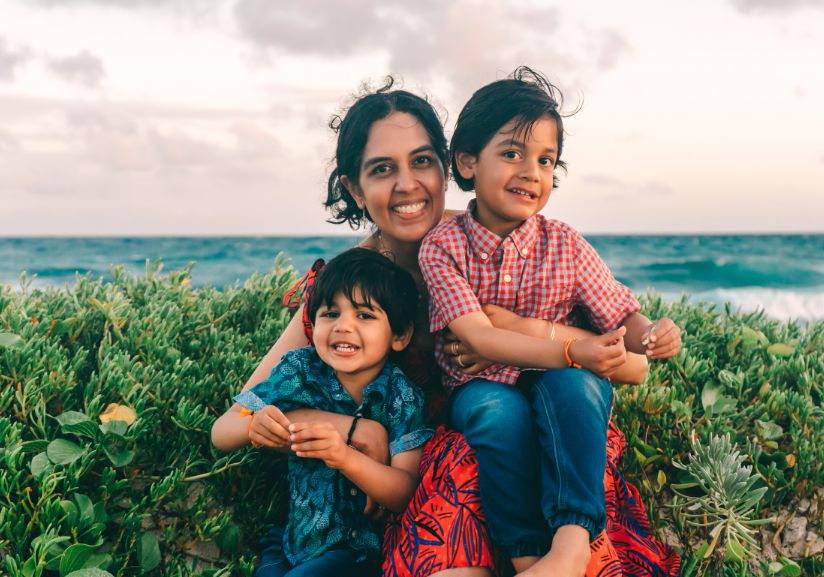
(548, 491)
(362, 307)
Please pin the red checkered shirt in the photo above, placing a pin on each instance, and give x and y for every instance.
(541, 270)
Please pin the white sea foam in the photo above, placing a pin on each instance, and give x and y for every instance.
(805, 305)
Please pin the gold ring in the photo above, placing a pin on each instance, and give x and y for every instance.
(460, 362)
(454, 348)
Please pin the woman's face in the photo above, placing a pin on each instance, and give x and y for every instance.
(402, 182)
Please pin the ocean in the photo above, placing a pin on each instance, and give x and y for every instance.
(781, 274)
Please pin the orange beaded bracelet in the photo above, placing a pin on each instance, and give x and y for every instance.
(570, 362)
(244, 412)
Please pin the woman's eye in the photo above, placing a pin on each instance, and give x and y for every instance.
(423, 161)
(381, 169)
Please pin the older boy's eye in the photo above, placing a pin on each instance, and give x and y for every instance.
(547, 161)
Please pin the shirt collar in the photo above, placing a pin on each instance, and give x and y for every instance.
(325, 375)
(484, 241)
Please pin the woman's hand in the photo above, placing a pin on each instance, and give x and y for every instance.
(372, 439)
(269, 428)
(462, 355)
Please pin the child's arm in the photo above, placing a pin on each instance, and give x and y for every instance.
(392, 486)
(601, 354)
(632, 372)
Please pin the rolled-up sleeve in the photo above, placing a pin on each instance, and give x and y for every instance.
(408, 427)
(282, 388)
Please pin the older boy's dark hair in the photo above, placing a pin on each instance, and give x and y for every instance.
(353, 132)
(526, 95)
(380, 281)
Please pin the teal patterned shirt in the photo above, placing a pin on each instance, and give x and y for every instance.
(326, 508)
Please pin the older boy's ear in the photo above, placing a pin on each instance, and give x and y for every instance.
(400, 342)
(466, 164)
(354, 190)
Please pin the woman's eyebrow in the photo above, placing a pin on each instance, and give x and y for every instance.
(378, 159)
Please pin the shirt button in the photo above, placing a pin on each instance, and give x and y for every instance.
(507, 278)
(353, 492)
(353, 534)
(484, 256)
(526, 251)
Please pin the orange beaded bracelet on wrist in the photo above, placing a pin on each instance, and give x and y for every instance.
(570, 362)
(244, 412)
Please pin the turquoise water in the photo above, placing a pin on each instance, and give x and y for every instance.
(783, 274)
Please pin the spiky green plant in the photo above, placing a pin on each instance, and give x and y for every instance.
(727, 500)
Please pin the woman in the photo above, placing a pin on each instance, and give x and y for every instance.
(390, 170)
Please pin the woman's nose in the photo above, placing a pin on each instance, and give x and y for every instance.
(406, 180)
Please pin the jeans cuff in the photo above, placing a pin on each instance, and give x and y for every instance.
(526, 548)
(592, 526)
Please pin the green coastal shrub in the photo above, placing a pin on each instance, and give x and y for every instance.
(108, 391)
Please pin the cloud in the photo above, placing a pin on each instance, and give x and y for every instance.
(601, 180)
(83, 68)
(750, 6)
(466, 43)
(655, 188)
(10, 60)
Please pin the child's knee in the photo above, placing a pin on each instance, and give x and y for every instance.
(489, 408)
(576, 389)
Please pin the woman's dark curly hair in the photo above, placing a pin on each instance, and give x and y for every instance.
(352, 129)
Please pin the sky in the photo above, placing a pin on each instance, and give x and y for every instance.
(210, 117)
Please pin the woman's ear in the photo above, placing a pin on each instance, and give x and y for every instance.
(466, 164)
(354, 190)
(400, 342)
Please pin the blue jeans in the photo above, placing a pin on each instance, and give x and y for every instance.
(334, 563)
(541, 454)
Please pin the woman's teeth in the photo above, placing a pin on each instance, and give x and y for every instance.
(409, 208)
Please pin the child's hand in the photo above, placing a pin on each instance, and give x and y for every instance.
(269, 428)
(319, 441)
(601, 354)
(662, 339)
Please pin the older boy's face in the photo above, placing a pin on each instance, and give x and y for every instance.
(513, 174)
(354, 339)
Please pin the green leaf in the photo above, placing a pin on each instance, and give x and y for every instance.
(90, 572)
(229, 539)
(780, 350)
(752, 337)
(85, 509)
(790, 569)
(39, 463)
(84, 429)
(63, 452)
(118, 428)
(710, 395)
(70, 509)
(734, 551)
(119, 457)
(37, 446)
(148, 553)
(10, 341)
(71, 418)
(75, 558)
(769, 431)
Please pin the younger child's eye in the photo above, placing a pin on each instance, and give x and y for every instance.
(329, 314)
(511, 154)
(364, 316)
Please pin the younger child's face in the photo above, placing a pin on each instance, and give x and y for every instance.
(355, 340)
(513, 174)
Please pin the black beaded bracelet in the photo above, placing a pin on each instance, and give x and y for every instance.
(352, 428)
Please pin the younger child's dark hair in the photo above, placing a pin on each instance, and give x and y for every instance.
(381, 282)
(526, 95)
(353, 128)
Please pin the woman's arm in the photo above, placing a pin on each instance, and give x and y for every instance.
(231, 431)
